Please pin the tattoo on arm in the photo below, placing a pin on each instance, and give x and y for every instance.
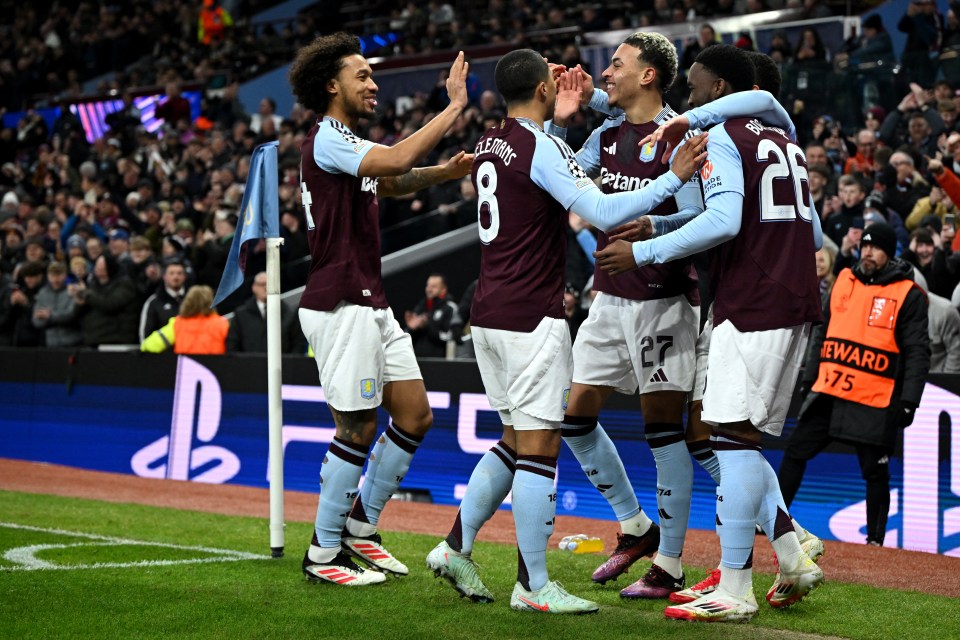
(410, 182)
(358, 427)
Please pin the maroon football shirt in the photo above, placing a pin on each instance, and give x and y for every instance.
(345, 238)
(522, 231)
(624, 166)
(764, 278)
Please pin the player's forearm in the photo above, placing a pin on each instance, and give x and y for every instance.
(399, 159)
(665, 224)
(609, 211)
(600, 102)
(412, 181)
(719, 223)
(744, 104)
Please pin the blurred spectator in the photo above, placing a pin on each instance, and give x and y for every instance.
(430, 322)
(266, 111)
(108, 307)
(213, 23)
(926, 253)
(143, 267)
(817, 177)
(248, 329)
(935, 204)
(850, 211)
(903, 185)
(175, 109)
(923, 124)
(197, 330)
(810, 47)
(924, 28)
(825, 258)
(875, 47)
(163, 305)
(54, 311)
(944, 332)
(862, 165)
(22, 298)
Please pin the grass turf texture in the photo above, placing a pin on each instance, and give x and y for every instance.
(270, 599)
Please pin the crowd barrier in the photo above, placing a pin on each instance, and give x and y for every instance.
(204, 419)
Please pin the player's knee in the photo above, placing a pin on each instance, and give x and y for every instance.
(420, 421)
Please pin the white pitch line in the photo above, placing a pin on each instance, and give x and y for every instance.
(26, 560)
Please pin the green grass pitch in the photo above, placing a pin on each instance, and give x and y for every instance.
(74, 568)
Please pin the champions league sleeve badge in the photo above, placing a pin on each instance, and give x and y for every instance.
(648, 152)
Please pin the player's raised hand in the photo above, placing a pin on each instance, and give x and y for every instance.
(569, 86)
(689, 156)
(556, 70)
(671, 131)
(616, 257)
(633, 231)
(458, 166)
(457, 81)
(586, 91)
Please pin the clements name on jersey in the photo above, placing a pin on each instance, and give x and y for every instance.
(620, 182)
(498, 147)
(757, 128)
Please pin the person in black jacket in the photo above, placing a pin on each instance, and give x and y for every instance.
(109, 307)
(865, 372)
(248, 329)
(164, 304)
(430, 322)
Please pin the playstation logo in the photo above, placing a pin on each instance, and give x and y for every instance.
(195, 422)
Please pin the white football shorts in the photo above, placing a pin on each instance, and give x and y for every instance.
(751, 375)
(637, 344)
(526, 375)
(358, 350)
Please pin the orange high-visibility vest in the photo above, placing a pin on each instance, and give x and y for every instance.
(200, 334)
(858, 359)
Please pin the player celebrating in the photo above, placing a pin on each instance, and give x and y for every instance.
(759, 217)
(642, 327)
(526, 182)
(363, 357)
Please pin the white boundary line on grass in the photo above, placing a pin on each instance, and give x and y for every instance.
(26, 558)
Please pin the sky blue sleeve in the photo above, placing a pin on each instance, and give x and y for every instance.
(554, 130)
(720, 221)
(587, 242)
(743, 104)
(817, 228)
(599, 102)
(717, 224)
(589, 155)
(723, 169)
(555, 170)
(337, 151)
(665, 224)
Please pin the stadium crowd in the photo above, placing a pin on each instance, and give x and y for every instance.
(101, 240)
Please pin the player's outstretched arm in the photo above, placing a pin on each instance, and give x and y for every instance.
(609, 211)
(397, 160)
(719, 223)
(422, 177)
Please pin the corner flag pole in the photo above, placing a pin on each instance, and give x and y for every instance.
(260, 218)
(274, 383)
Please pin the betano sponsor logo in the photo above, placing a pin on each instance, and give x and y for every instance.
(619, 182)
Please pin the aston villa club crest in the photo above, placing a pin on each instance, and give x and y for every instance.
(368, 388)
(648, 152)
(566, 398)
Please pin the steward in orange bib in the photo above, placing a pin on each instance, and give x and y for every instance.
(865, 371)
(197, 330)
